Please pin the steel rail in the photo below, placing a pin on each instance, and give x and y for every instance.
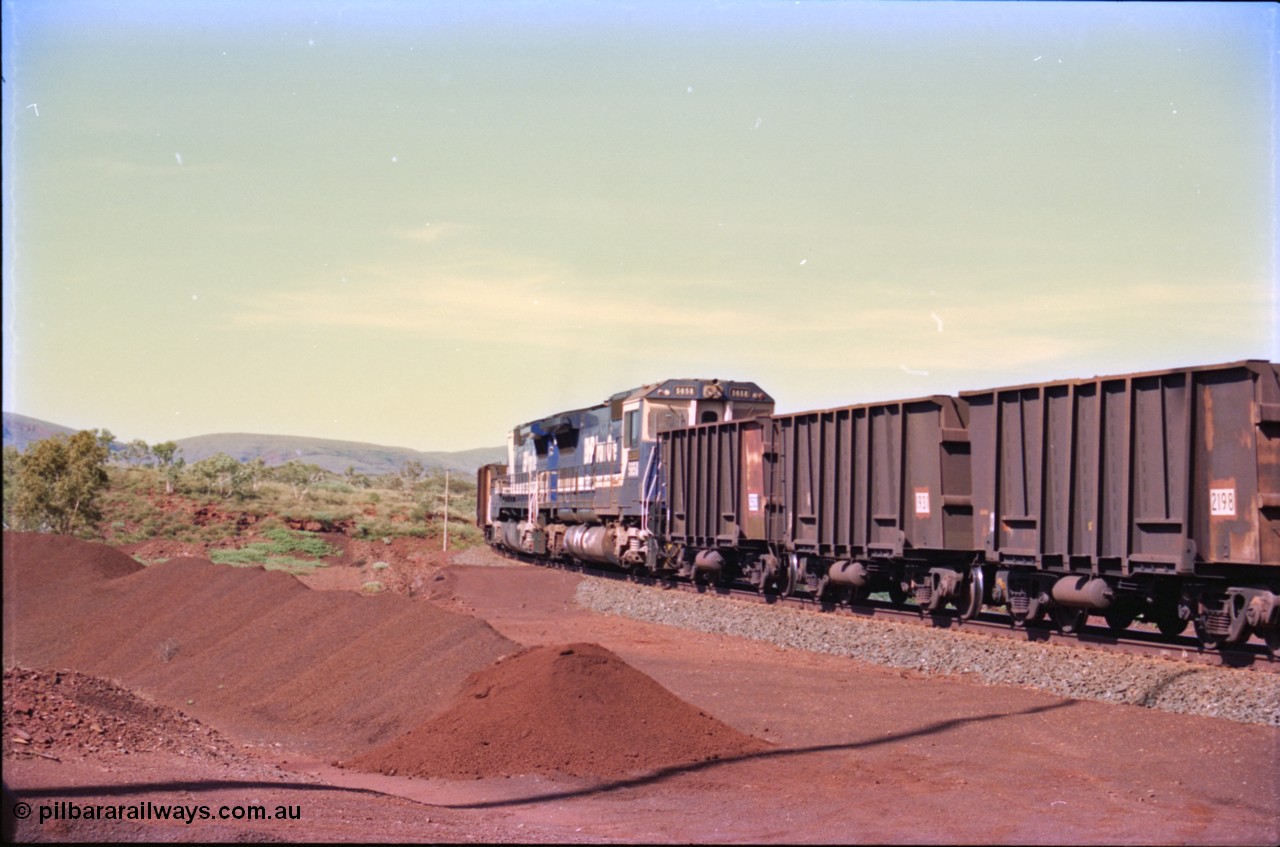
(1249, 656)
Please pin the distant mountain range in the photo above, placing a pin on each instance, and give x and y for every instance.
(336, 456)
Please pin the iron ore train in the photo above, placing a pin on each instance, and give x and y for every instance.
(1152, 496)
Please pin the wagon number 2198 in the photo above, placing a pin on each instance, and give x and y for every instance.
(1222, 501)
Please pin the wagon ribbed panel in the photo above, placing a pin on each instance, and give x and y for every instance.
(1156, 472)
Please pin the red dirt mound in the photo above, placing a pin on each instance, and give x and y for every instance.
(54, 714)
(248, 650)
(42, 570)
(575, 709)
(67, 559)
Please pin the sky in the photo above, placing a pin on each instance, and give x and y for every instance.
(420, 224)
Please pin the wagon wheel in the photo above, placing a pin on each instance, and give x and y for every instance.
(831, 593)
(1272, 637)
(1022, 619)
(859, 594)
(897, 593)
(1169, 622)
(786, 582)
(1118, 620)
(1208, 640)
(1237, 633)
(969, 603)
(1069, 619)
(1240, 629)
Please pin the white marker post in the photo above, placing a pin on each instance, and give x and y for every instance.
(446, 511)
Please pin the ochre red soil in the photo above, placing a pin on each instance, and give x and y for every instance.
(578, 693)
(341, 673)
(54, 714)
(240, 647)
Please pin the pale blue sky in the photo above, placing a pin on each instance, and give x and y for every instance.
(421, 223)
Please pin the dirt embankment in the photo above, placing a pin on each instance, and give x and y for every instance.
(252, 651)
(396, 684)
(56, 714)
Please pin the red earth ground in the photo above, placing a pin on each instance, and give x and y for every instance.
(190, 683)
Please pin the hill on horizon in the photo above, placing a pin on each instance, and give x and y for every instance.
(332, 455)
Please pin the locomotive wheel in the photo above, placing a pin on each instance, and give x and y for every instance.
(1069, 619)
(1118, 620)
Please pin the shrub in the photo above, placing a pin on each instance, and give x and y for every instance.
(59, 483)
(277, 553)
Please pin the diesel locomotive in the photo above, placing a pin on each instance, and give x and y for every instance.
(1152, 496)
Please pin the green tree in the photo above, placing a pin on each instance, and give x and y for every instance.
(59, 480)
(136, 452)
(411, 473)
(12, 460)
(220, 473)
(256, 471)
(106, 440)
(166, 453)
(299, 476)
(356, 480)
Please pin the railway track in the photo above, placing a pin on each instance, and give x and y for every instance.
(1250, 656)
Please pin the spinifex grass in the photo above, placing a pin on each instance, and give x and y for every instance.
(277, 552)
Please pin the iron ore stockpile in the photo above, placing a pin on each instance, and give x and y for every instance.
(246, 650)
(58, 713)
(1249, 697)
(577, 691)
(385, 682)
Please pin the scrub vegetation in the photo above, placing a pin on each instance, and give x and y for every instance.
(79, 485)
